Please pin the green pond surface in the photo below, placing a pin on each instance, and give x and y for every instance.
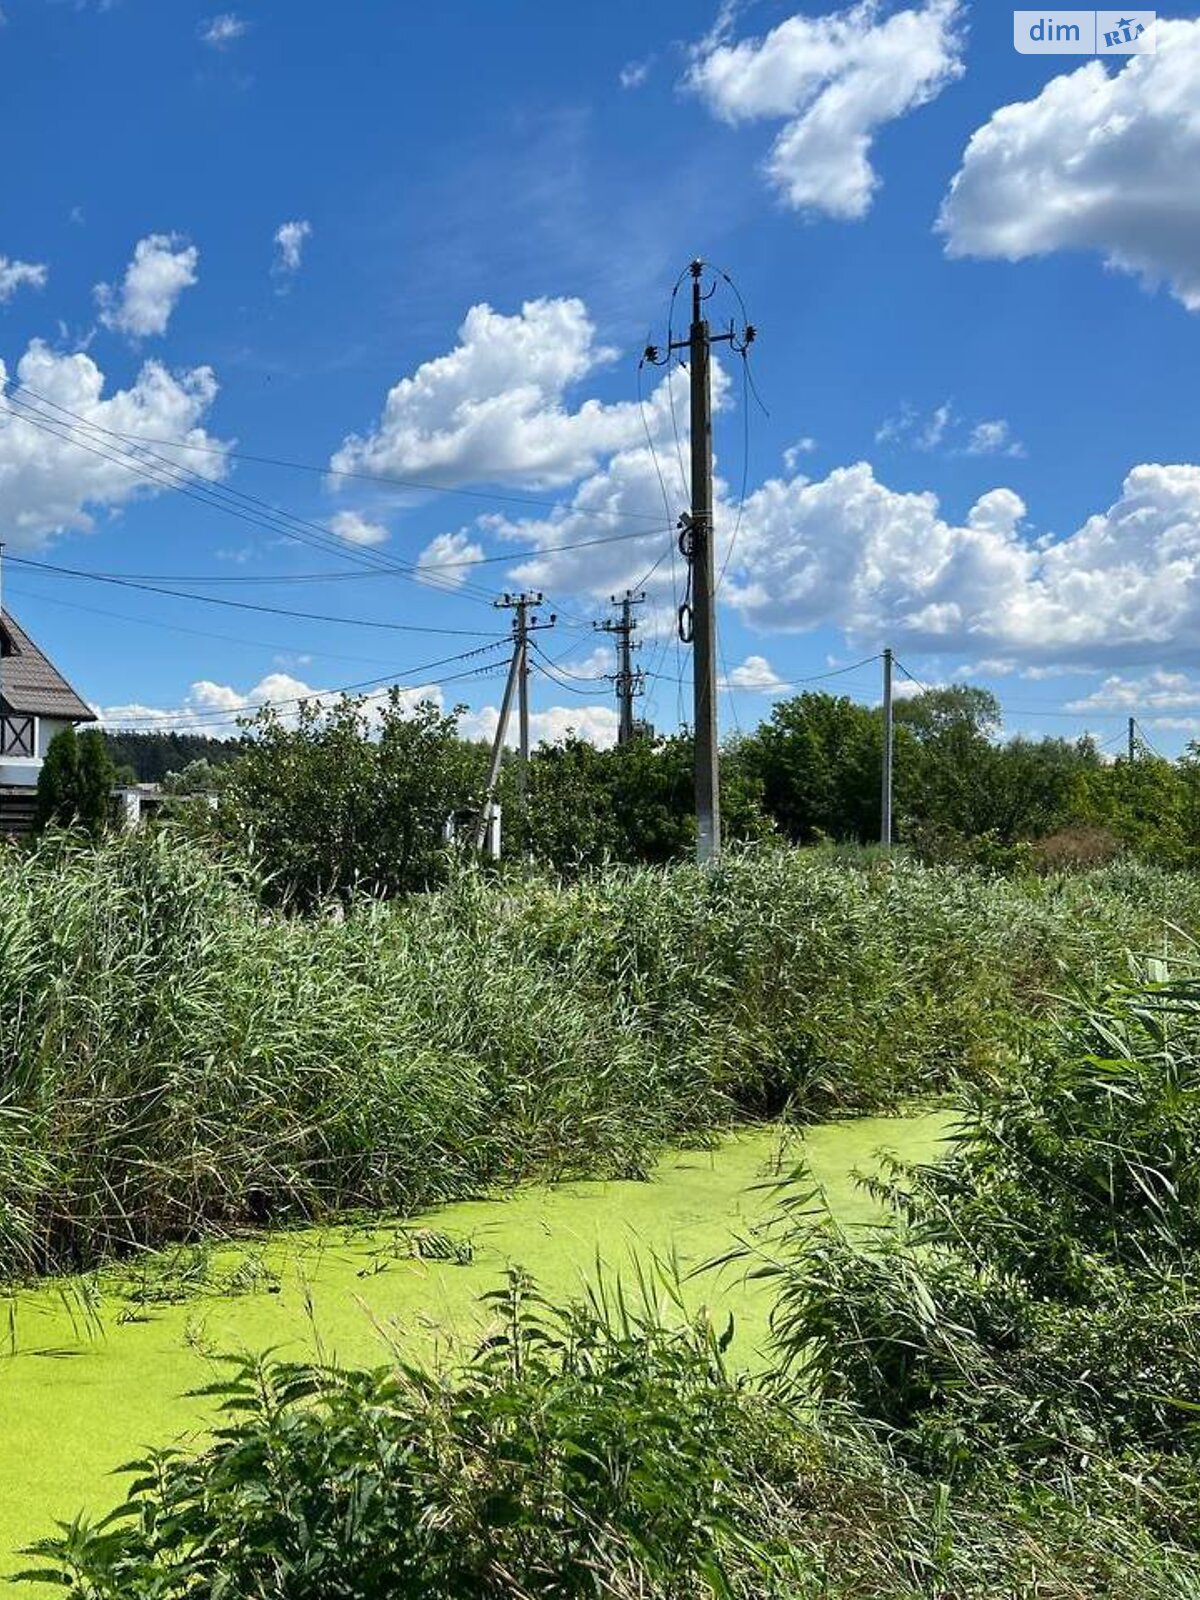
(88, 1380)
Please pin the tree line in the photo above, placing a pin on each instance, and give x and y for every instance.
(356, 796)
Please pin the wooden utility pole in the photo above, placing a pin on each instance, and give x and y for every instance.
(489, 793)
(629, 683)
(885, 827)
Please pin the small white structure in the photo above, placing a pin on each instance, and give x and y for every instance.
(36, 702)
(465, 825)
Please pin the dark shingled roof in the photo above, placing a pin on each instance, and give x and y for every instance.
(29, 683)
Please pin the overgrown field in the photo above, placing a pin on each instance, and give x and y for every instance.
(993, 1398)
(173, 1060)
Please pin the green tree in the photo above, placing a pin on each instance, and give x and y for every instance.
(351, 798)
(1146, 803)
(58, 782)
(633, 803)
(946, 760)
(817, 766)
(97, 774)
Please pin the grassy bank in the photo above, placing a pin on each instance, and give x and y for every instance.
(175, 1061)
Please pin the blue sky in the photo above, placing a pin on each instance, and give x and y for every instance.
(975, 275)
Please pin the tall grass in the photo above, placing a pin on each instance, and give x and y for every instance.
(174, 1061)
(1027, 1330)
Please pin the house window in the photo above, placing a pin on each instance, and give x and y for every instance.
(18, 734)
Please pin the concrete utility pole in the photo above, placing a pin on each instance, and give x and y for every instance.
(1132, 741)
(629, 683)
(704, 622)
(885, 827)
(524, 623)
(697, 615)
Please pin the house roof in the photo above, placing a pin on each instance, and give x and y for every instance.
(29, 681)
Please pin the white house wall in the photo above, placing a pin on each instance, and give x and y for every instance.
(47, 728)
(23, 770)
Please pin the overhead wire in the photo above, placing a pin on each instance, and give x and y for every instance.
(221, 578)
(222, 715)
(248, 508)
(198, 633)
(550, 670)
(392, 480)
(242, 605)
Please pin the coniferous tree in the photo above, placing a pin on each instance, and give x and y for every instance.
(58, 782)
(97, 774)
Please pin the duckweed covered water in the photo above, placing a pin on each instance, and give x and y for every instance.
(89, 1378)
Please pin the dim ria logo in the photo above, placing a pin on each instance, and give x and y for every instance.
(1084, 33)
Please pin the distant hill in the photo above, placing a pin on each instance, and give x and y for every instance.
(153, 755)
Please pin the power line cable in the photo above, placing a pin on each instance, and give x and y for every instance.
(198, 633)
(222, 578)
(242, 605)
(155, 716)
(165, 474)
(422, 487)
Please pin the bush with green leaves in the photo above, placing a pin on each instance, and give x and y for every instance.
(599, 1451)
(347, 800)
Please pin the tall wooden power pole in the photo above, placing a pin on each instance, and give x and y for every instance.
(889, 734)
(629, 682)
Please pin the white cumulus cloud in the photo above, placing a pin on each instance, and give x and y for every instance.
(1154, 691)
(49, 484)
(597, 724)
(495, 408)
(794, 452)
(163, 266)
(214, 708)
(833, 81)
(755, 673)
(993, 438)
(15, 275)
(447, 558)
(357, 529)
(944, 432)
(1099, 160)
(880, 564)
